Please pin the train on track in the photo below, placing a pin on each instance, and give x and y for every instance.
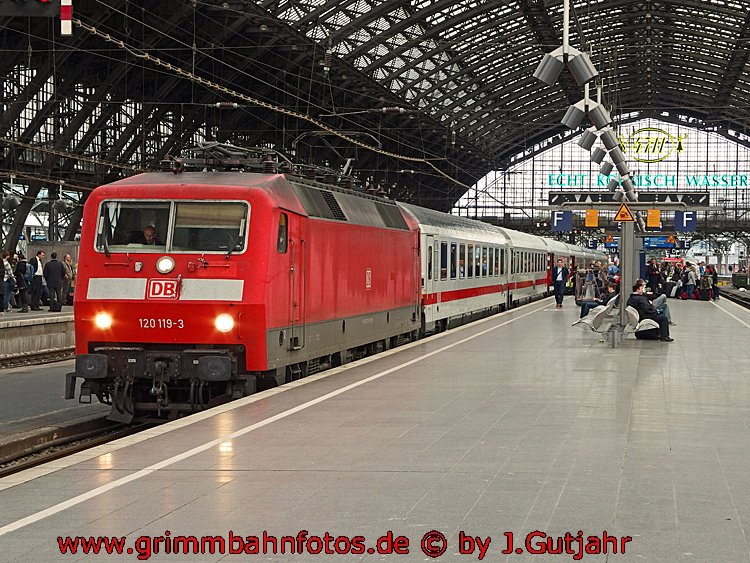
(196, 287)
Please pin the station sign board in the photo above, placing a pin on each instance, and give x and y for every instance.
(659, 242)
(691, 199)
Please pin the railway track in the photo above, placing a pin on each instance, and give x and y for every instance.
(35, 358)
(62, 447)
(739, 297)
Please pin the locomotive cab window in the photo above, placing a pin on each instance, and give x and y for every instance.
(125, 226)
(184, 226)
(206, 227)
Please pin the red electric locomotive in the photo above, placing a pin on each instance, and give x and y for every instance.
(195, 288)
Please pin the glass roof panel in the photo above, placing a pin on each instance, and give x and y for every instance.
(456, 60)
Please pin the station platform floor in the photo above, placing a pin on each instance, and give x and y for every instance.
(516, 425)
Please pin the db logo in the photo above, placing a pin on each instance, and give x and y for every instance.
(162, 289)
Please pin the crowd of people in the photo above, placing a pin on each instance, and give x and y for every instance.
(693, 281)
(29, 284)
(649, 296)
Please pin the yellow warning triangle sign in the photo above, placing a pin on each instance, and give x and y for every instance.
(671, 239)
(609, 239)
(624, 214)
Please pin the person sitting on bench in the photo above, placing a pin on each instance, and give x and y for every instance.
(646, 310)
(586, 306)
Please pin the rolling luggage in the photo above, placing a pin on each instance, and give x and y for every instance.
(704, 294)
(670, 289)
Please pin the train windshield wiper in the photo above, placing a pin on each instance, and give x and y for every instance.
(105, 244)
(232, 244)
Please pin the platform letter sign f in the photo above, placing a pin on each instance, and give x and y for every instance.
(685, 221)
(562, 221)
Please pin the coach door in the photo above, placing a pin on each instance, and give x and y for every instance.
(298, 256)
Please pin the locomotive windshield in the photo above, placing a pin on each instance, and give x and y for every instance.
(178, 226)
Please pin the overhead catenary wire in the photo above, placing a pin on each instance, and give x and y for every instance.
(179, 71)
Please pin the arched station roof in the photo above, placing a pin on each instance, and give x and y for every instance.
(442, 89)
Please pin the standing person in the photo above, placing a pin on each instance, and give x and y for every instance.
(646, 310)
(692, 280)
(68, 265)
(677, 279)
(54, 274)
(654, 276)
(9, 281)
(22, 282)
(714, 282)
(37, 263)
(559, 279)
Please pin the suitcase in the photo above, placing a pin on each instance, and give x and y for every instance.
(704, 295)
(648, 334)
(670, 288)
(56, 308)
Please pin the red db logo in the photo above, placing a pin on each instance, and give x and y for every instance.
(162, 289)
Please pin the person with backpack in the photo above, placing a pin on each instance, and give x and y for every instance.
(23, 275)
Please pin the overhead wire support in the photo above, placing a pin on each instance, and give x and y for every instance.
(584, 72)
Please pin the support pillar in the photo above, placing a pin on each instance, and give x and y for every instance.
(628, 266)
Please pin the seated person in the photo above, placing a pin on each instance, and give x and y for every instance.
(148, 237)
(609, 293)
(646, 310)
(662, 307)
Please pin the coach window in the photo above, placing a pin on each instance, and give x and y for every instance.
(429, 262)
(484, 261)
(462, 261)
(491, 269)
(443, 260)
(470, 262)
(281, 240)
(496, 270)
(454, 260)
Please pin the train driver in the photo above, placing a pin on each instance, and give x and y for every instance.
(149, 236)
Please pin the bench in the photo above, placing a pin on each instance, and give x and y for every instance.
(600, 318)
(637, 324)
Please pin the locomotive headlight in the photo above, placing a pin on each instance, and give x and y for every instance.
(165, 264)
(224, 323)
(103, 321)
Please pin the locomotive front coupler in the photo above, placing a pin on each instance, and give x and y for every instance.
(159, 386)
